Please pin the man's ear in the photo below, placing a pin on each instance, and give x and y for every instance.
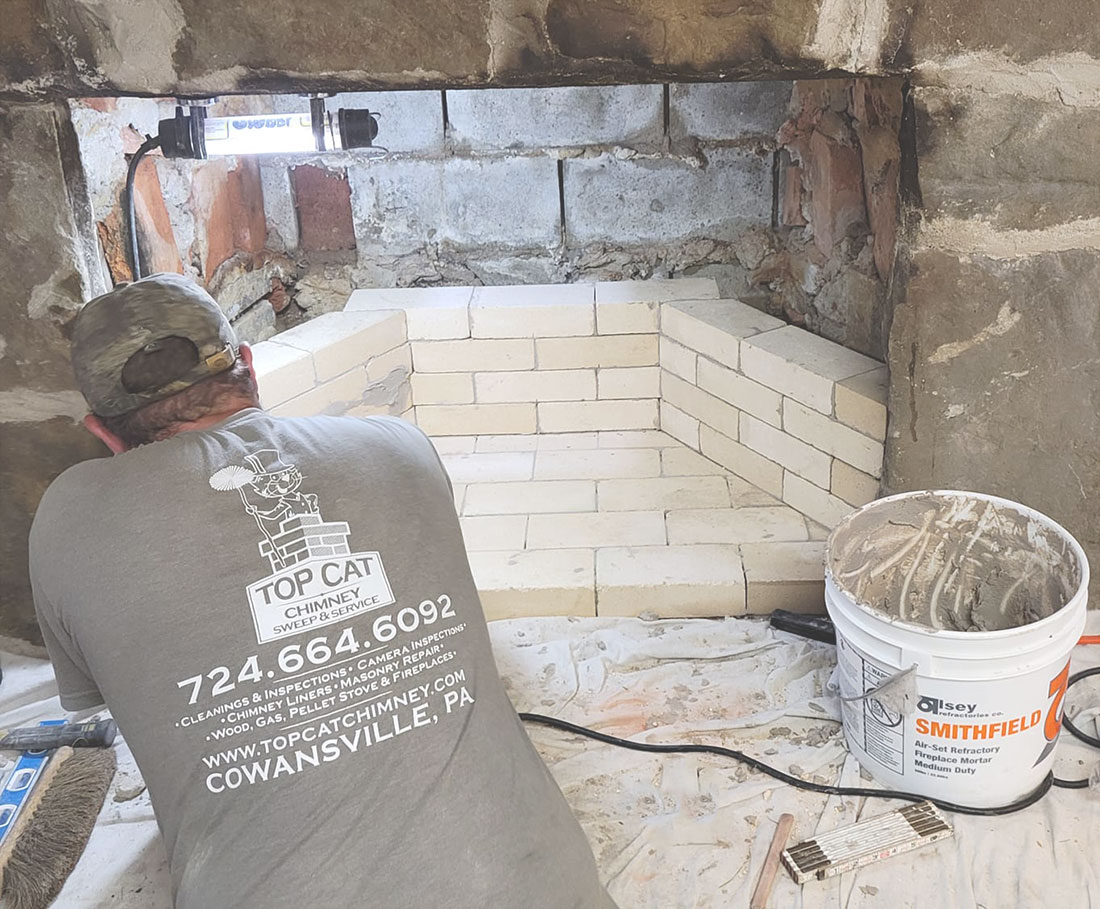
(245, 353)
(95, 426)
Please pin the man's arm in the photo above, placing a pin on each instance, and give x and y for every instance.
(75, 685)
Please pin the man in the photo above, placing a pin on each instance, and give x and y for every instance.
(280, 615)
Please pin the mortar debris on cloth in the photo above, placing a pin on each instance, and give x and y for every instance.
(954, 563)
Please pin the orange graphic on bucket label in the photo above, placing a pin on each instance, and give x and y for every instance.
(1053, 725)
(1058, 686)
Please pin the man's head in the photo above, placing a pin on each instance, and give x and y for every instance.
(156, 356)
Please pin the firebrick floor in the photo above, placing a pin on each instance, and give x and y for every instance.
(625, 523)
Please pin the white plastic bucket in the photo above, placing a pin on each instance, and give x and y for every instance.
(988, 704)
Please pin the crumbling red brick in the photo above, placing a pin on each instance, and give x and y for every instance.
(323, 200)
(155, 236)
(228, 207)
(103, 105)
(246, 198)
(790, 198)
(113, 241)
(876, 110)
(131, 140)
(280, 296)
(156, 239)
(835, 174)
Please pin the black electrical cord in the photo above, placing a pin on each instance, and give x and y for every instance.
(825, 789)
(1067, 722)
(128, 198)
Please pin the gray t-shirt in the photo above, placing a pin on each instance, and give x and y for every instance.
(280, 615)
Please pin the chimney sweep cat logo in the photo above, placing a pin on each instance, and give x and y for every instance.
(316, 579)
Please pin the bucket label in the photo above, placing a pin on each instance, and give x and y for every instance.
(951, 735)
(878, 731)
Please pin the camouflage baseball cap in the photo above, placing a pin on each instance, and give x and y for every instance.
(148, 340)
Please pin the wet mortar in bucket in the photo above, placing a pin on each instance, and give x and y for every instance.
(955, 563)
(955, 614)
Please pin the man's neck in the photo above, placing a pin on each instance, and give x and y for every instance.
(211, 419)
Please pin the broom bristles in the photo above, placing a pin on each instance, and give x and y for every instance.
(54, 827)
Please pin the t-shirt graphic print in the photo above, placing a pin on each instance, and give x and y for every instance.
(315, 578)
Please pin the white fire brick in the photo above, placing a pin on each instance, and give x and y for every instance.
(332, 397)
(567, 441)
(461, 419)
(735, 525)
(715, 327)
(746, 463)
(530, 322)
(828, 435)
(489, 467)
(704, 580)
(381, 366)
(581, 416)
(784, 576)
(677, 359)
(486, 533)
(801, 365)
(535, 582)
(471, 356)
(695, 402)
(445, 445)
(506, 443)
(636, 438)
(630, 382)
(741, 392)
(431, 313)
(597, 464)
(533, 311)
(744, 494)
(656, 290)
(627, 318)
(851, 485)
(663, 493)
(339, 341)
(679, 425)
(861, 402)
(602, 350)
(536, 385)
(683, 462)
(535, 497)
(812, 501)
(442, 388)
(785, 449)
(281, 372)
(624, 528)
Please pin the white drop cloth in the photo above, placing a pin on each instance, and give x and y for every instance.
(684, 830)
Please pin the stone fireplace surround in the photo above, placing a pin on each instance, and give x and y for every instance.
(992, 291)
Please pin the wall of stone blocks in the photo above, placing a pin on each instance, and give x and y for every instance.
(478, 187)
(49, 261)
(548, 185)
(785, 193)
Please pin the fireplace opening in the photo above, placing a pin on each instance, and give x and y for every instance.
(786, 193)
